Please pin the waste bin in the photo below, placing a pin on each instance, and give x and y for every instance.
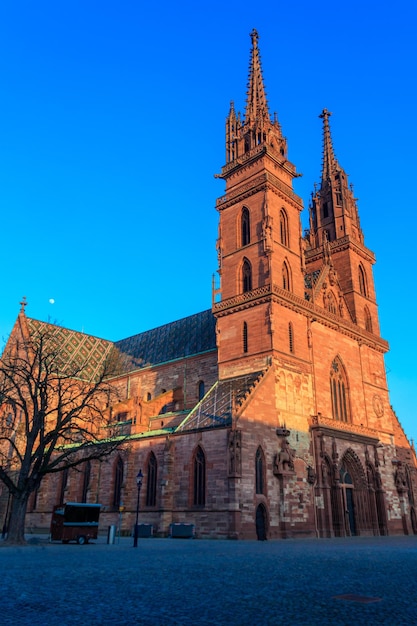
(111, 534)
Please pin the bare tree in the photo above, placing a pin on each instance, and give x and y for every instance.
(53, 414)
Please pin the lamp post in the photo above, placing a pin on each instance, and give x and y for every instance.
(139, 479)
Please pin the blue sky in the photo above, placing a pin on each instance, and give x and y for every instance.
(112, 127)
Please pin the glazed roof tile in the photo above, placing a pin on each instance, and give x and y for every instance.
(185, 337)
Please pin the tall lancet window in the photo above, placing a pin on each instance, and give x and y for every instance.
(283, 228)
(363, 287)
(339, 392)
(245, 226)
(286, 277)
(246, 276)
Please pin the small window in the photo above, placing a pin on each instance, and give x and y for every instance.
(201, 390)
(148, 396)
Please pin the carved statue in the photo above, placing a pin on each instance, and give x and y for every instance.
(235, 459)
(284, 459)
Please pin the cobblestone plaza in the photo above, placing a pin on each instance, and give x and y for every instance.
(182, 582)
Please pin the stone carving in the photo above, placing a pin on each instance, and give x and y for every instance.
(235, 456)
(284, 459)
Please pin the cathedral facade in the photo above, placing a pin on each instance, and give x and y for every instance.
(268, 415)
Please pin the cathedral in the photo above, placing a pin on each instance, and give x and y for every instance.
(268, 415)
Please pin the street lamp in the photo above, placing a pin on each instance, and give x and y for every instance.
(139, 479)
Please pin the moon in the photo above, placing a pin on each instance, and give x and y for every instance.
(51, 301)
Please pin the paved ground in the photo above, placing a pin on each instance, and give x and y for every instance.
(196, 582)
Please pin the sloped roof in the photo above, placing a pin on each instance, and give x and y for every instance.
(75, 350)
(186, 337)
(217, 406)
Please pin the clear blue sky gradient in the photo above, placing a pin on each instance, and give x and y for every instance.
(112, 126)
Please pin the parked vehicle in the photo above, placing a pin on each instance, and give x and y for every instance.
(75, 521)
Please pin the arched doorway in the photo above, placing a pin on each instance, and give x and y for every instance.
(346, 484)
(261, 522)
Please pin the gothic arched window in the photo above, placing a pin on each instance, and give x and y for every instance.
(118, 482)
(86, 481)
(199, 478)
(286, 277)
(283, 228)
(368, 320)
(339, 392)
(363, 288)
(246, 276)
(152, 471)
(245, 337)
(201, 389)
(260, 471)
(64, 484)
(245, 226)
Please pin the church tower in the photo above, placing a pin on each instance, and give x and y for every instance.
(259, 243)
(335, 228)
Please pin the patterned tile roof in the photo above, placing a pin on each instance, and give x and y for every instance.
(186, 337)
(76, 351)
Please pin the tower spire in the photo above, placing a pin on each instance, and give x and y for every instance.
(256, 102)
(330, 164)
(256, 129)
(334, 213)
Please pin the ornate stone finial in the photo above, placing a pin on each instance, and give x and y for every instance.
(23, 305)
(254, 36)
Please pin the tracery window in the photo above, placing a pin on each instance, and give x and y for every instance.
(283, 228)
(199, 478)
(245, 226)
(259, 471)
(246, 276)
(339, 392)
(152, 472)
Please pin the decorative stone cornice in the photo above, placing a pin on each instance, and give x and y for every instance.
(343, 430)
(339, 245)
(253, 186)
(300, 305)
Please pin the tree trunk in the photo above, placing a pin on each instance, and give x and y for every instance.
(16, 529)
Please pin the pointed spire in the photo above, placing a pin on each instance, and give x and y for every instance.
(330, 163)
(256, 103)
